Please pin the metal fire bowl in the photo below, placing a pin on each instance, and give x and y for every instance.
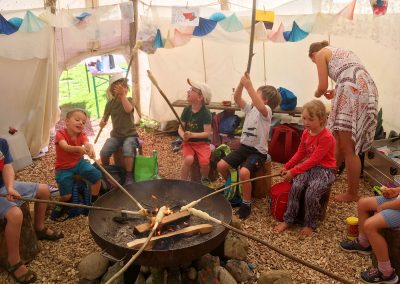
(167, 192)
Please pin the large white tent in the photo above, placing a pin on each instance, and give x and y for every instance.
(30, 62)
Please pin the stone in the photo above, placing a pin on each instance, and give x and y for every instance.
(224, 276)
(141, 279)
(93, 266)
(192, 273)
(275, 277)
(236, 246)
(111, 271)
(239, 270)
(207, 261)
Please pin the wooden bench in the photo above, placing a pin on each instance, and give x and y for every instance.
(28, 244)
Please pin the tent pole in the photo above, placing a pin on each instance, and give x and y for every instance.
(135, 62)
(265, 67)
(204, 61)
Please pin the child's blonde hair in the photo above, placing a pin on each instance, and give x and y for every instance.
(316, 108)
(72, 111)
(271, 94)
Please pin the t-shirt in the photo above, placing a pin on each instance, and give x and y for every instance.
(255, 131)
(123, 123)
(316, 150)
(66, 160)
(195, 121)
(5, 158)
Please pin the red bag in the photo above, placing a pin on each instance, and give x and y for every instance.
(284, 143)
(279, 198)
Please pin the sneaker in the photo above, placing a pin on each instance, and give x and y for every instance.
(373, 275)
(57, 212)
(244, 211)
(354, 246)
(128, 180)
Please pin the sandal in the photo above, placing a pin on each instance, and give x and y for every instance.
(43, 235)
(26, 278)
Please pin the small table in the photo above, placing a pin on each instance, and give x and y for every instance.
(104, 77)
(218, 105)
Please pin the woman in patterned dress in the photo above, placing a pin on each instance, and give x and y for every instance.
(353, 117)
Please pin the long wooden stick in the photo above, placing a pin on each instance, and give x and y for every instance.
(154, 81)
(206, 216)
(253, 23)
(76, 205)
(195, 202)
(158, 219)
(122, 188)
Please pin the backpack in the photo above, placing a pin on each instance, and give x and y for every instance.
(289, 100)
(228, 124)
(233, 194)
(278, 199)
(284, 143)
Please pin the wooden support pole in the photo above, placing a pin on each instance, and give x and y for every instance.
(133, 29)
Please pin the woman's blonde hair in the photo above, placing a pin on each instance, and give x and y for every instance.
(316, 108)
(317, 46)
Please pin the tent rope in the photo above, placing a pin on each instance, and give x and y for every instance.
(204, 61)
(265, 66)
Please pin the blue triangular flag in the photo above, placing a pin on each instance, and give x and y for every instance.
(158, 42)
(31, 23)
(296, 34)
(205, 27)
(6, 27)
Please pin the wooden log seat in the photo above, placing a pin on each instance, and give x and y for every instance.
(261, 188)
(324, 206)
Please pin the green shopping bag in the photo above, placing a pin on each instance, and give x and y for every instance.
(146, 168)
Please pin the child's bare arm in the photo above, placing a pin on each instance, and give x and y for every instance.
(238, 96)
(256, 99)
(393, 204)
(126, 104)
(71, 149)
(204, 134)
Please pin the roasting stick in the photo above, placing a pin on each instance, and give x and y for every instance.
(158, 219)
(195, 202)
(155, 83)
(205, 216)
(144, 211)
(76, 205)
(135, 49)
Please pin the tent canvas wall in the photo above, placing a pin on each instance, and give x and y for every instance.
(28, 61)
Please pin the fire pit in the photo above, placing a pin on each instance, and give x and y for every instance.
(113, 237)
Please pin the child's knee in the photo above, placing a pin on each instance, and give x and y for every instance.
(43, 191)
(244, 173)
(65, 197)
(14, 216)
(188, 160)
(370, 226)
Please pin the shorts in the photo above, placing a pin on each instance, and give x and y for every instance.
(391, 216)
(201, 149)
(128, 144)
(65, 178)
(247, 157)
(25, 189)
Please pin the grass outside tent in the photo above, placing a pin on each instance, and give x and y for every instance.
(74, 91)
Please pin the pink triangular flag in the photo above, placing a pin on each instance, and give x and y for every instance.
(348, 11)
(278, 35)
(180, 38)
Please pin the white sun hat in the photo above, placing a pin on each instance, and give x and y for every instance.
(204, 88)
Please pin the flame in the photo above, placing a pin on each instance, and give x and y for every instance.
(153, 196)
(168, 211)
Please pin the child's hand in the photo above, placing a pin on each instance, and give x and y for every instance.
(119, 91)
(283, 172)
(102, 123)
(246, 81)
(389, 192)
(90, 151)
(187, 135)
(288, 177)
(82, 150)
(330, 94)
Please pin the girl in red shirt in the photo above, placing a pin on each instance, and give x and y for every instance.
(311, 169)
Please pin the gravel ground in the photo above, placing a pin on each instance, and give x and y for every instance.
(57, 262)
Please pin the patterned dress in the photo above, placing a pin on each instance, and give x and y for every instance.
(355, 105)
